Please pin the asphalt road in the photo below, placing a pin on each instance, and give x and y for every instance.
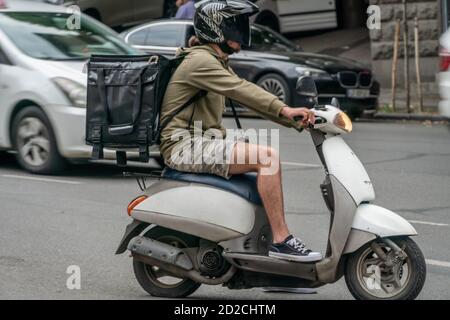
(50, 223)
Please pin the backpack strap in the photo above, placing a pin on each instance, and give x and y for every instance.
(196, 97)
(143, 141)
(97, 146)
(121, 158)
(235, 115)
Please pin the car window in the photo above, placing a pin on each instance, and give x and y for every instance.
(47, 36)
(138, 38)
(264, 39)
(165, 35)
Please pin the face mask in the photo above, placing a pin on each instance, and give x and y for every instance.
(226, 48)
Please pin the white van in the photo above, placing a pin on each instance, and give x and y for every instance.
(297, 15)
(116, 13)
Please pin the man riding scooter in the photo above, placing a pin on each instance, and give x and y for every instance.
(222, 28)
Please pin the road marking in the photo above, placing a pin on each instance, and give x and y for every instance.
(300, 164)
(39, 179)
(429, 223)
(438, 263)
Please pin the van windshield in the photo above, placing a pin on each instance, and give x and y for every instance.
(52, 36)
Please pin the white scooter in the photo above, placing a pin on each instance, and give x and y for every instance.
(191, 229)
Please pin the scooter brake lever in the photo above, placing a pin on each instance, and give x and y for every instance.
(300, 118)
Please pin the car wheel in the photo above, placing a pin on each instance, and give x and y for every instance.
(35, 142)
(276, 85)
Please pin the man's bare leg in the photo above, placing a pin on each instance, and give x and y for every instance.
(269, 185)
(285, 245)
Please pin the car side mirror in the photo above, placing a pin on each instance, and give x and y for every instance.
(307, 90)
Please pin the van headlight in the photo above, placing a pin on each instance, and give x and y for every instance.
(314, 73)
(343, 122)
(74, 91)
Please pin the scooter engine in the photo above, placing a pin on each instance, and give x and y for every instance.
(211, 262)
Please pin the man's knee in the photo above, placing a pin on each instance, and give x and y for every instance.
(268, 160)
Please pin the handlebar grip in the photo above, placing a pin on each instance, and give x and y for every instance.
(298, 118)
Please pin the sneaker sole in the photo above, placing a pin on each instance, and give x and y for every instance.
(290, 257)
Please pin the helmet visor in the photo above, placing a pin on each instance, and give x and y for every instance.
(238, 29)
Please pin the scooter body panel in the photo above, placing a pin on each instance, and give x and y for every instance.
(200, 208)
(343, 164)
(382, 222)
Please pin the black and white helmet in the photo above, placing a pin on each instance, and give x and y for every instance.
(217, 21)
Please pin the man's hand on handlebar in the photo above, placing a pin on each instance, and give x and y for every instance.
(304, 116)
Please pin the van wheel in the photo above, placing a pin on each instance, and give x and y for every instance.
(276, 85)
(158, 282)
(370, 278)
(35, 143)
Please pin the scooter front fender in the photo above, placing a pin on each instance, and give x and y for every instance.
(381, 222)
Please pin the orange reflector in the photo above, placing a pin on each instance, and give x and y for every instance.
(134, 203)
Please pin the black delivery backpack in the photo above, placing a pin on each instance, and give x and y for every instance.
(124, 96)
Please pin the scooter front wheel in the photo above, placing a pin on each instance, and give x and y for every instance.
(157, 282)
(386, 275)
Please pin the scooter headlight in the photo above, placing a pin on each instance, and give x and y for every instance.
(343, 122)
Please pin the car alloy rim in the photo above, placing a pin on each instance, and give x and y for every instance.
(275, 87)
(33, 141)
(380, 279)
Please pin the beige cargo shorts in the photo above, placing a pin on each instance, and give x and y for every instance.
(201, 155)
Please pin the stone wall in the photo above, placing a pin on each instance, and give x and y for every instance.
(382, 40)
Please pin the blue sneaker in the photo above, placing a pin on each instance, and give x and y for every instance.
(293, 249)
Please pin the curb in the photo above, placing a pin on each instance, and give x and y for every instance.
(410, 117)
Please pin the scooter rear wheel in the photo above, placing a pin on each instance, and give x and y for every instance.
(158, 282)
(369, 278)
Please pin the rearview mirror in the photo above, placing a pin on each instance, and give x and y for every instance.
(335, 103)
(306, 88)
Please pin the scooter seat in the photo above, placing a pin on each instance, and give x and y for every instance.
(243, 185)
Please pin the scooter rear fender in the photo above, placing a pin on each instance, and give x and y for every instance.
(132, 230)
(206, 212)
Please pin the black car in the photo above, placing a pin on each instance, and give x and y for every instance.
(274, 63)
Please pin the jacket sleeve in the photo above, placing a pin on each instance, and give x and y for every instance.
(211, 76)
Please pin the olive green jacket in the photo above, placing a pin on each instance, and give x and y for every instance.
(204, 69)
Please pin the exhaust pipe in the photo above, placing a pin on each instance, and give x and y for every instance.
(164, 252)
(172, 260)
